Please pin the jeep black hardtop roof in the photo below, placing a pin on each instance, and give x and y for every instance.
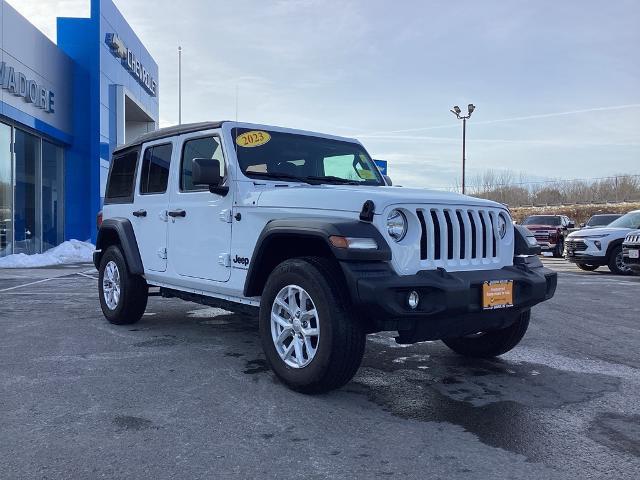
(170, 132)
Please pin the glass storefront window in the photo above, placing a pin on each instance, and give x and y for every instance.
(27, 194)
(52, 195)
(31, 192)
(6, 192)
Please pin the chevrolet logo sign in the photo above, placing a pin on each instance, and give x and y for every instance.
(131, 63)
(117, 46)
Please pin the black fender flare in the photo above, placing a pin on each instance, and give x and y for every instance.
(317, 228)
(127, 241)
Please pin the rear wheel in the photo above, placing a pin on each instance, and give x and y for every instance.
(123, 297)
(493, 343)
(586, 267)
(616, 262)
(311, 338)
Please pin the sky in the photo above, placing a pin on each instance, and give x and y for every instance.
(556, 84)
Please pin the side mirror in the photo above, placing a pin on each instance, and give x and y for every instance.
(582, 225)
(206, 171)
(572, 225)
(387, 179)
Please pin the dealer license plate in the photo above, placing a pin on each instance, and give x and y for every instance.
(634, 253)
(497, 294)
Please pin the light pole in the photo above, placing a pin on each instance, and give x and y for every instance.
(456, 111)
(179, 85)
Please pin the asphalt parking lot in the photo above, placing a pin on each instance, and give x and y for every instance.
(186, 393)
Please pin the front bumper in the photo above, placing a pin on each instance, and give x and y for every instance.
(632, 263)
(585, 257)
(546, 246)
(450, 302)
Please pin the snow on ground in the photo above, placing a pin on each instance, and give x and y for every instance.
(71, 251)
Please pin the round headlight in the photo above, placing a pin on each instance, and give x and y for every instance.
(397, 225)
(502, 226)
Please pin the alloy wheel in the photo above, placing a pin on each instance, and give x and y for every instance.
(111, 285)
(295, 326)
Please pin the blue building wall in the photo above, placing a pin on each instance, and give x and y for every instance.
(98, 72)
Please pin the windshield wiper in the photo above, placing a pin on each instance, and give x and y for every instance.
(332, 179)
(281, 176)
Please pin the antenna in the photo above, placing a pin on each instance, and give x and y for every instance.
(179, 85)
(237, 95)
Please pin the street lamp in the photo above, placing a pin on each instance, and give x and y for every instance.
(456, 111)
(179, 85)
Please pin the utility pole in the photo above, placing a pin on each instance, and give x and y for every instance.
(179, 85)
(456, 111)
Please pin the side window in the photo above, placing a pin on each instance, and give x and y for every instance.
(122, 178)
(155, 169)
(204, 147)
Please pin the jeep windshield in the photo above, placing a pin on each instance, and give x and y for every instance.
(265, 154)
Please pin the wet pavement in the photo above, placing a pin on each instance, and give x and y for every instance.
(186, 393)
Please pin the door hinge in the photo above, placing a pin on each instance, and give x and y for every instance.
(224, 259)
(226, 215)
(162, 253)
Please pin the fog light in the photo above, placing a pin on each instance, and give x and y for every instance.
(598, 244)
(413, 299)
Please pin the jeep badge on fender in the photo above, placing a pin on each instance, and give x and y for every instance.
(335, 252)
(241, 260)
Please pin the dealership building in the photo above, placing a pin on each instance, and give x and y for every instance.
(63, 109)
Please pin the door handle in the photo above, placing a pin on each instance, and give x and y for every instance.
(177, 213)
(140, 213)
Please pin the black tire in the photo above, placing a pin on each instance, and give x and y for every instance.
(134, 291)
(615, 256)
(341, 342)
(558, 252)
(491, 344)
(586, 267)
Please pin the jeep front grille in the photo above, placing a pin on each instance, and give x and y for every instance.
(632, 239)
(458, 234)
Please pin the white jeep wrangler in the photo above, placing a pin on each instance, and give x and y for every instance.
(303, 229)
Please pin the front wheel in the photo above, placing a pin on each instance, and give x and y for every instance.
(311, 338)
(558, 252)
(616, 262)
(493, 343)
(586, 267)
(123, 297)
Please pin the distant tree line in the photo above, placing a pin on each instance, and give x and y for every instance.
(514, 189)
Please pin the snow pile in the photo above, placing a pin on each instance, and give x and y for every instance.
(71, 251)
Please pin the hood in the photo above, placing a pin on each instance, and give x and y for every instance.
(350, 198)
(591, 232)
(542, 227)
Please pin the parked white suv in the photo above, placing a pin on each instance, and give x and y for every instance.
(595, 247)
(302, 229)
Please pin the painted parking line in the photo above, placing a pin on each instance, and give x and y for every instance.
(37, 282)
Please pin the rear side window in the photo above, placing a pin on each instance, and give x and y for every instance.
(204, 147)
(155, 169)
(122, 178)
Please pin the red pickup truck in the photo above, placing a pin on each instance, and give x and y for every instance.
(550, 231)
